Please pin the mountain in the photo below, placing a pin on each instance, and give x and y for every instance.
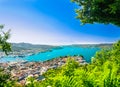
(18, 47)
(103, 45)
(28, 46)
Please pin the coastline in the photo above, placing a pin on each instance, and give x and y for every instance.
(21, 70)
(50, 54)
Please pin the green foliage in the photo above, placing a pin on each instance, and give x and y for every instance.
(4, 36)
(103, 71)
(5, 79)
(101, 11)
(70, 67)
(6, 47)
(31, 82)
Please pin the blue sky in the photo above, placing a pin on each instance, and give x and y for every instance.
(51, 22)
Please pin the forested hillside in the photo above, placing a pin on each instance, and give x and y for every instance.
(103, 71)
(28, 46)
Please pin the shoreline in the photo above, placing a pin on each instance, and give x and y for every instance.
(19, 58)
(48, 54)
(21, 70)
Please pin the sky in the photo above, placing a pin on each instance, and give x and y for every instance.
(51, 22)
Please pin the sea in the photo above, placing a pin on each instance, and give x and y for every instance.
(86, 52)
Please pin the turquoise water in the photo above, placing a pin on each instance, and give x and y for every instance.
(56, 53)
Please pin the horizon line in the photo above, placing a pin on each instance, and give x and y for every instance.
(60, 44)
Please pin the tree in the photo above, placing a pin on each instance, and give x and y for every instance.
(5, 79)
(104, 71)
(100, 11)
(4, 36)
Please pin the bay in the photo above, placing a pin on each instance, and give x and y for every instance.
(86, 52)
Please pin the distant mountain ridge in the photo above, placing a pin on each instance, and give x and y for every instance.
(94, 45)
(28, 46)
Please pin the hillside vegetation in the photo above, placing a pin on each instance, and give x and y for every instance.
(28, 46)
(103, 71)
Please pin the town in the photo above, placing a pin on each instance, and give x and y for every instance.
(20, 71)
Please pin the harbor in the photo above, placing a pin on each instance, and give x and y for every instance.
(20, 71)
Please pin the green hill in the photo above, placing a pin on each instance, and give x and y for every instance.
(28, 46)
